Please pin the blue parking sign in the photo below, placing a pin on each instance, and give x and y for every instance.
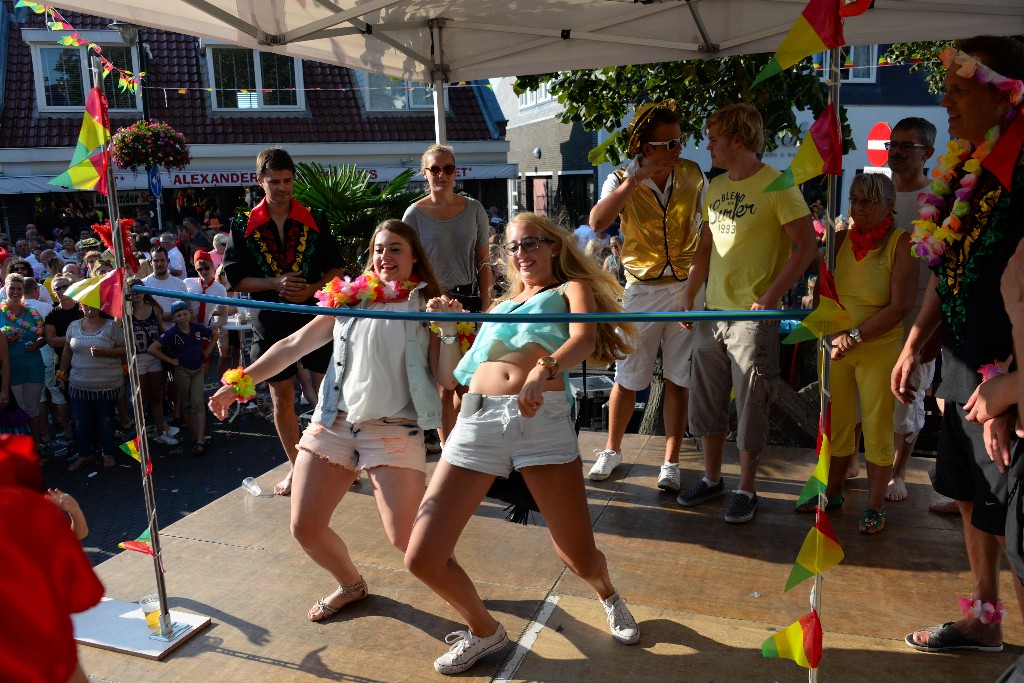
(155, 184)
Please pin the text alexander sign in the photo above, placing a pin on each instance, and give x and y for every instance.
(212, 178)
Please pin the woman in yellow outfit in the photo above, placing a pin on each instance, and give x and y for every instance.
(875, 280)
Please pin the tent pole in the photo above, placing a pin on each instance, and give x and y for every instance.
(166, 628)
(438, 79)
(825, 345)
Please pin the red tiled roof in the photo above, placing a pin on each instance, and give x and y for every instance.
(331, 115)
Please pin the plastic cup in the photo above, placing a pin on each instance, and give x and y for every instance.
(250, 485)
(150, 605)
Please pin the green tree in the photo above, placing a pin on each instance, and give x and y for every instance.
(353, 203)
(602, 98)
(921, 56)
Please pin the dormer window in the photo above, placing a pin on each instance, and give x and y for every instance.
(61, 73)
(247, 80)
(390, 94)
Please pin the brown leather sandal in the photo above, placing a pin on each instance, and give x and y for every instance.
(357, 591)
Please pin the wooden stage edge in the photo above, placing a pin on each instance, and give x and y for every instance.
(705, 593)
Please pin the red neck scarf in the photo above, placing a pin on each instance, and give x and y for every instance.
(261, 215)
(863, 241)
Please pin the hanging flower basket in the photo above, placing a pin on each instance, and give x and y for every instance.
(149, 143)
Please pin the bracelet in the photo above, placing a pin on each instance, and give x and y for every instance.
(240, 382)
(991, 370)
(986, 612)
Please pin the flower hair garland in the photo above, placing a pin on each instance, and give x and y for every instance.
(240, 382)
(969, 67)
(368, 287)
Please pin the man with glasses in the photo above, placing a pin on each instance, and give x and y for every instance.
(205, 283)
(746, 251)
(657, 196)
(281, 255)
(910, 145)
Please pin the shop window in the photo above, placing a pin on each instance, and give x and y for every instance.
(250, 80)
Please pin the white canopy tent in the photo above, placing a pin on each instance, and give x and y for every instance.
(438, 41)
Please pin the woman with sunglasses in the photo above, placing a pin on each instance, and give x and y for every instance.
(454, 230)
(23, 327)
(517, 416)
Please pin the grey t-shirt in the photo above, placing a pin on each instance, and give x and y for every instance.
(906, 213)
(452, 244)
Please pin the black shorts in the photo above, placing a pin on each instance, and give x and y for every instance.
(272, 329)
(964, 472)
(468, 296)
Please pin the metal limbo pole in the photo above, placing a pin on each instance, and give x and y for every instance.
(167, 629)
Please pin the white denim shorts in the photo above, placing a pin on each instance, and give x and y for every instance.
(492, 437)
(391, 442)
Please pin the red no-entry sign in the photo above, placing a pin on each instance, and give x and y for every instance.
(879, 135)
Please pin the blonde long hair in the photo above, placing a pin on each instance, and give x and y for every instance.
(614, 340)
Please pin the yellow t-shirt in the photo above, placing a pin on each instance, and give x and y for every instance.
(750, 245)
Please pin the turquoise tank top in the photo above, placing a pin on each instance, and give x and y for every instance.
(494, 340)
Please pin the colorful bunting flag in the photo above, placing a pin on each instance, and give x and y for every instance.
(818, 28)
(139, 545)
(828, 318)
(132, 448)
(88, 170)
(104, 292)
(818, 481)
(851, 8)
(800, 641)
(821, 151)
(819, 552)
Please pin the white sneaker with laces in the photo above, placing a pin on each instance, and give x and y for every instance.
(607, 460)
(166, 439)
(466, 649)
(620, 621)
(172, 431)
(668, 480)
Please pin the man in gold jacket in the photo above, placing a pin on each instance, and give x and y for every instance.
(658, 198)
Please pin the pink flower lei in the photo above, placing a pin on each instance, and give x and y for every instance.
(368, 288)
(12, 332)
(930, 240)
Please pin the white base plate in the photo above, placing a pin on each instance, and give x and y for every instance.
(120, 626)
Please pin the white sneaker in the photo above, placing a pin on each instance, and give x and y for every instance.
(668, 480)
(466, 649)
(166, 439)
(172, 431)
(607, 460)
(620, 621)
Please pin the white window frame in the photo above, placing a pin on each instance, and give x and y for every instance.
(39, 39)
(850, 76)
(364, 80)
(535, 98)
(300, 91)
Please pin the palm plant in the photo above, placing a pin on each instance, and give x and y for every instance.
(352, 203)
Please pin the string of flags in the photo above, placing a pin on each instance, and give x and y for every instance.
(126, 80)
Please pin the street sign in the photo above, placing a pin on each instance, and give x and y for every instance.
(155, 184)
(879, 135)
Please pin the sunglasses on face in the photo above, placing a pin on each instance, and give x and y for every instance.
(447, 169)
(202, 269)
(856, 201)
(671, 145)
(527, 244)
(904, 146)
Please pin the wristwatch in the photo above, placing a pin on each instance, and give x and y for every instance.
(551, 364)
(855, 335)
(448, 340)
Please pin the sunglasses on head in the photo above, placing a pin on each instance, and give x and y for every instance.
(671, 145)
(447, 169)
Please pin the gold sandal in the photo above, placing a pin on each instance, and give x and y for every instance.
(327, 610)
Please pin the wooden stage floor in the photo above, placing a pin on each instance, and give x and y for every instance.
(705, 593)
